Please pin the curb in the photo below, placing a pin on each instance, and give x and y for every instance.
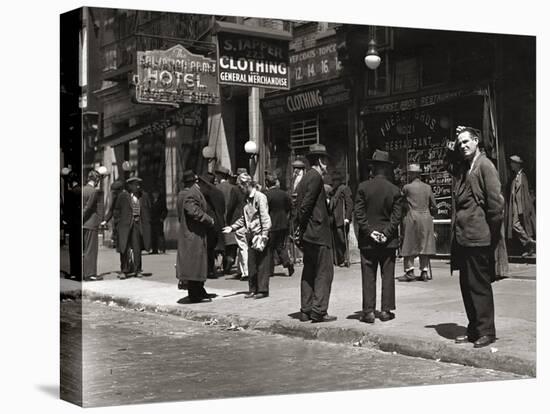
(388, 343)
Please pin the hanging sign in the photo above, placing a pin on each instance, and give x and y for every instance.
(175, 76)
(315, 64)
(253, 61)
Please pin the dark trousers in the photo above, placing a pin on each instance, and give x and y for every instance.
(229, 257)
(340, 243)
(211, 244)
(157, 236)
(133, 246)
(278, 246)
(89, 259)
(370, 260)
(317, 276)
(477, 266)
(196, 291)
(75, 251)
(259, 266)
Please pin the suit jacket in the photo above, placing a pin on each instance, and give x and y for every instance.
(123, 211)
(520, 200)
(92, 214)
(341, 202)
(312, 211)
(158, 209)
(279, 208)
(378, 207)
(194, 225)
(479, 205)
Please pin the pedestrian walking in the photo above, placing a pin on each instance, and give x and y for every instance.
(279, 210)
(72, 213)
(92, 216)
(158, 215)
(417, 227)
(215, 203)
(475, 232)
(240, 235)
(341, 208)
(256, 224)
(133, 209)
(378, 214)
(521, 220)
(194, 226)
(314, 235)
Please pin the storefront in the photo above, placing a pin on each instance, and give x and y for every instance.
(295, 120)
(416, 130)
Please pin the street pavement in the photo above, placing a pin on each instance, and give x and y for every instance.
(132, 357)
(428, 317)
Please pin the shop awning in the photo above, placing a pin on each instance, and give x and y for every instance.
(121, 137)
(228, 27)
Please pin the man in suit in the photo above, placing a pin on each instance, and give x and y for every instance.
(195, 223)
(72, 215)
(418, 226)
(133, 209)
(92, 216)
(475, 234)
(215, 203)
(315, 236)
(378, 213)
(116, 187)
(158, 215)
(279, 210)
(240, 235)
(341, 207)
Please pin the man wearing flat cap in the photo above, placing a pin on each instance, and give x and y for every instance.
(314, 234)
(378, 213)
(133, 209)
(194, 225)
(521, 222)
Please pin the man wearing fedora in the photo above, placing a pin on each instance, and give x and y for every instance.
(417, 227)
(194, 225)
(378, 213)
(314, 234)
(341, 208)
(92, 216)
(133, 209)
(521, 222)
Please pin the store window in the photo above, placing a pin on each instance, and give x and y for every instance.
(405, 78)
(303, 133)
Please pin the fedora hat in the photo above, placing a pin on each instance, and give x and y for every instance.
(223, 171)
(517, 159)
(189, 176)
(414, 168)
(133, 180)
(298, 164)
(381, 157)
(317, 150)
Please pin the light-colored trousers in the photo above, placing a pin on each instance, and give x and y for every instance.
(242, 253)
(408, 262)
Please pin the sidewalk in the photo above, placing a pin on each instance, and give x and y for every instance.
(428, 316)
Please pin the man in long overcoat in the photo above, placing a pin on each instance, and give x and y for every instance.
(72, 213)
(378, 214)
(194, 225)
(521, 221)
(417, 227)
(92, 216)
(158, 215)
(133, 209)
(341, 207)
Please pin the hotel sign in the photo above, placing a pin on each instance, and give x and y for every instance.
(174, 76)
(253, 61)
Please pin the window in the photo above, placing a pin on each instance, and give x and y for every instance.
(377, 81)
(405, 78)
(435, 66)
(304, 133)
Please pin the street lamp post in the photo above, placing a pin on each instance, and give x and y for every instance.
(209, 153)
(251, 148)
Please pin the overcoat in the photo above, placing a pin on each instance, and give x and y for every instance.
(279, 208)
(234, 200)
(194, 224)
(215, 203)
(341, 205)
(123, 210)
(418, 226)
(521, 200)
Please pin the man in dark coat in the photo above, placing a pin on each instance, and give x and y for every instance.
(417, 227)
(133, 209)
(521, 223)
(215, 202)
(92, 216)
(475, 233)
(116, 187)
(195, 223)
(341, 207)
(279, 209)
(158, 215)
(72, 215)
(378, 213)
(234, 199)
(314, 234)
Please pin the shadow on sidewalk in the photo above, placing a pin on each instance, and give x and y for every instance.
(448, 330)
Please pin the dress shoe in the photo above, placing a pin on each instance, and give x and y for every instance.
(290, 270)
(139, 275)
(122, 276)
(367, 317)
(182, 285)
(304, 317)
(94, 278)
(324, 318)
(386, 316)
(249, 295)
(244, 279)
(424, 276)
(464, 339)
(484, 341)
(260, 295)
(407, 277)
(200, 300)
